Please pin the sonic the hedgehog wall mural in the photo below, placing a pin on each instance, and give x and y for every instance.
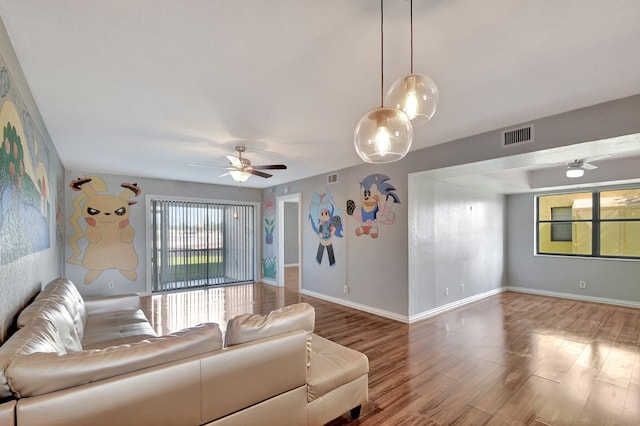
(377, 197)
(108, 232)
(326, 222)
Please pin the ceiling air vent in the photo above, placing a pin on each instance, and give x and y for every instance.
(332, 178)
(517, 136)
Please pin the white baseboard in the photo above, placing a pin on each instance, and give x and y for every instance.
(453, 305)
(628, 303)
(458, 303)
(269, 281)
(403, 318)
(358, 306)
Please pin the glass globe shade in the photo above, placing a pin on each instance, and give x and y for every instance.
(383, 135)
(417, 95)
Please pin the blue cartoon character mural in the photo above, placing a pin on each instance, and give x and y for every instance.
(109, 234)
(377, 197)
(326, 222)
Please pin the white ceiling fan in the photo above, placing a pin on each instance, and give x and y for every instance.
(241, 168)
(576, 168)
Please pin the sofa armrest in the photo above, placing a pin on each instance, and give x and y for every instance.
(108, 304)
(246, 374)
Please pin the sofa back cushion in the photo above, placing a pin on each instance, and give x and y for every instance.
(246, 328)
(66, 292)
(40, 335)
(39, 373)
(54, 310)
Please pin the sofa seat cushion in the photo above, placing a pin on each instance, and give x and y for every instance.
(116, 328)
(332, 365)
(39, 373)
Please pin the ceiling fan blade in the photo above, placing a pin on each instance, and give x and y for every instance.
(271, 167)
(235, 161)
(258, 173)
(596, 158)
(224, 174)
(588, 166)
(205, 165)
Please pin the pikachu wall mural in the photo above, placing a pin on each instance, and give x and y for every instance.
(107, 230)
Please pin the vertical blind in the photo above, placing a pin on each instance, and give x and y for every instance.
(201, 244)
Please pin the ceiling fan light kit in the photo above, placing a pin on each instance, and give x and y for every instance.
(239, 176)
(241, 169)
(574, 171)
(577, 168)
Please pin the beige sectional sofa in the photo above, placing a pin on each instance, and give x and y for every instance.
(99, 362)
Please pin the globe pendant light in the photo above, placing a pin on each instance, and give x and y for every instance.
(416, 94)
(383, 135)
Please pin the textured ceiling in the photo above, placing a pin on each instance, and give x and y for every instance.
(151, 87)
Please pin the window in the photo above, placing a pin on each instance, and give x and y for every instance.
(597, 224)
(561, 227)
(197, 244)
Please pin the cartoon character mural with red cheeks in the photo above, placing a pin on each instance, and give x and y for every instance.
(108, 232)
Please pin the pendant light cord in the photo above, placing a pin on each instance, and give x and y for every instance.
(411, 15)
(381, 53)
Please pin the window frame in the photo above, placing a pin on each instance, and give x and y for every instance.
(596, 221)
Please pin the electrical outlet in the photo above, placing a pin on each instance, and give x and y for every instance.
(461, 288)
(446, 291)
(110, 284)
(583, 284)
(346, 289)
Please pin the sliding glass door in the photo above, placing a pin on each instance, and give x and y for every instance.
(198, 244)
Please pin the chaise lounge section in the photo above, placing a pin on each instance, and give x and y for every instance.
(99, 361)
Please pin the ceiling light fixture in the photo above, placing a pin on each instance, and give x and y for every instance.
(383, 135)
(575, 170)
(239, 176)
(416, 94)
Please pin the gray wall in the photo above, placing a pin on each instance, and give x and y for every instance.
(138, 222)
(377, 272)
(291, 233)
(456, 243)
(618, 280)
(22, 278)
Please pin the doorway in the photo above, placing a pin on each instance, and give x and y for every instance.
(289, 238)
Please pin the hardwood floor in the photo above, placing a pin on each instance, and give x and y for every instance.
(511, 359)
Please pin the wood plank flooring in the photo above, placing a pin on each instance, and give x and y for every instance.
(511, 359)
